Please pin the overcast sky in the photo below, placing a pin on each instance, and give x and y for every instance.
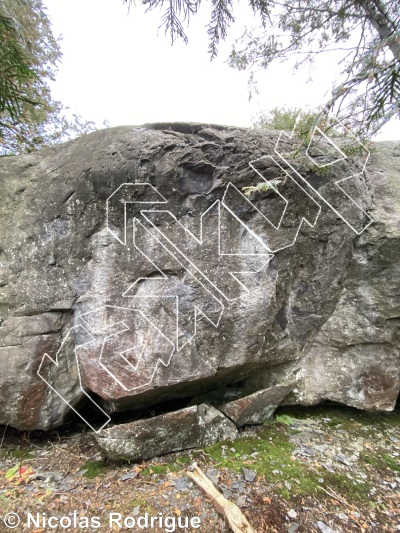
(119, 67)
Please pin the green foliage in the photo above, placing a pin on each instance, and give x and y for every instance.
(15, 71)
(284, 419)
(302, 121)
(29, 55)
(11, 472)
(286, 118)
(307, 125)
(366, 32)
(19, 474)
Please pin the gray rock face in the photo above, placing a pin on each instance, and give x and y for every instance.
(355, 356)
(133, 258)
(257, 407)
(193, 427)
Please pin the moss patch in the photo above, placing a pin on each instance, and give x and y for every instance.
(270, 455)
(381, 461)
(93, 469)
(347, 488)
(18, 453)
(141, 502)
(166, 468)
(349, 417)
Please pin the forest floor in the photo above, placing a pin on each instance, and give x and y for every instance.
(322, 469)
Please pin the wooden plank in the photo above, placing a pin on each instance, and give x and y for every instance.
(236, 519)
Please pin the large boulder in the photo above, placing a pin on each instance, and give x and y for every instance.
(134, 259)
(354, 357)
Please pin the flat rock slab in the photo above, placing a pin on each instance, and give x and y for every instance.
(258, 407)
(192, 427)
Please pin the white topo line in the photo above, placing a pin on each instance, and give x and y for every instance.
(158, 198)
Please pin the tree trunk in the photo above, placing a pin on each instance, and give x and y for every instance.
(380, 19)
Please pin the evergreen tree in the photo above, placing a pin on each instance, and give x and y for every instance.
(366, 97)
(29, 55)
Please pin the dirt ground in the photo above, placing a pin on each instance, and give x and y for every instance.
(321, 469)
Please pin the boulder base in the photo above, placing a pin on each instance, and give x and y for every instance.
(193, 427)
